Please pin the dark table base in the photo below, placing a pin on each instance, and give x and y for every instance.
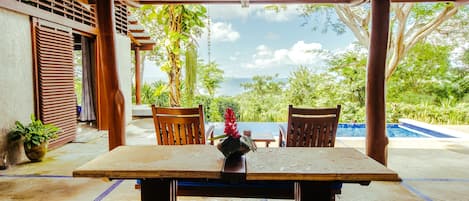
(167, 189)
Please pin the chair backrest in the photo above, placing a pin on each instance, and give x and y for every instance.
(312, 127)
(178, 126)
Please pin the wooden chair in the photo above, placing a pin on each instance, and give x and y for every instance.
(310, 127)
(179, 126)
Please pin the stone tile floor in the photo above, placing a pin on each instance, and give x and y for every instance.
(431, 169)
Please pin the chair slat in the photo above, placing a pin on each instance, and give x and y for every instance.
(308, 135)
(190, 134)
(319, 111)
(316, 133)
(182, 134)
(322, 134)
(170, 133)
(328, 135)
(197, 135)
(164, 134)
(179, 125)
(177, 111)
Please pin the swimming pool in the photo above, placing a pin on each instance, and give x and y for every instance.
(344, 130)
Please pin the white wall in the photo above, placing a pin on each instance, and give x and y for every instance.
(124, 65)
(16, 74)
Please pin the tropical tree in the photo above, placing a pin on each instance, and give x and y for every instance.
(426, 75)
(424, 87)
(156, 93)
(465, 58)
(409, 24)
(210, 77)
(312, 89)
(351, 70)
(263, 100)
(181, 23)
(301, 86)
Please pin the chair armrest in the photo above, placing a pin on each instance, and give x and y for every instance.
(281, 137)
(209, 134)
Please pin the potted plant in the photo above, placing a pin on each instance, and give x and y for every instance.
(35, 135)
(233, 143)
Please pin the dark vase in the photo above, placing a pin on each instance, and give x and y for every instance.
(232, 147)
(37, 152)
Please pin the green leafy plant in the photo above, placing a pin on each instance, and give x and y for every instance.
(35, 133)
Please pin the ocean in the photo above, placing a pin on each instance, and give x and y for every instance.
(231, 86)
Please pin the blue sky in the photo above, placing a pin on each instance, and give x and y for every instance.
(254, 41)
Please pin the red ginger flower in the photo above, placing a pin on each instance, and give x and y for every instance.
(231, 128)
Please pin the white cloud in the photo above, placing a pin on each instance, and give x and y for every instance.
(223, 32)
(351, 47)
(235, 56)
(300, 53)
(228, 12)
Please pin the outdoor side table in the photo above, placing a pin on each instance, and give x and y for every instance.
(263, 137)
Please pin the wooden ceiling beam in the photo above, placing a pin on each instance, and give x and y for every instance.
(461, 2)
(136, 28)
(280, 1)
(143, 47)
(421, 1)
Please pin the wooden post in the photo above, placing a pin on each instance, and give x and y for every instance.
(376, 139)
(115, 103)
(138, 78)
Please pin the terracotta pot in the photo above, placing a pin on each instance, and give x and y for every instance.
(37, 152)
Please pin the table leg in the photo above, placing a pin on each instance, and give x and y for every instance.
(318, 191)
(158, 190)
(267, 144)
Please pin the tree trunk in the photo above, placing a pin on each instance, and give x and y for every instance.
(174, 76)
(174, 60)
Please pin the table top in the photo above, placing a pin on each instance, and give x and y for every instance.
(315, 164)
(174, 161)
(205, 161)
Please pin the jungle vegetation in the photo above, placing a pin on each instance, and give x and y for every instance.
(424, 80)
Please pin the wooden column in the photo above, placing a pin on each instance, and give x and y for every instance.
(138, 78)
(376, 139)
(108, 62)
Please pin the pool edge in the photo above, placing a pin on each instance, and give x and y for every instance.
(436, 131)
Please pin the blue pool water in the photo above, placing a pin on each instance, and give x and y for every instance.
(344, 130)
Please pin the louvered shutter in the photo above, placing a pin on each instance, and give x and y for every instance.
(55, 79)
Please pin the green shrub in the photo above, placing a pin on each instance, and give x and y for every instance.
(428, 113)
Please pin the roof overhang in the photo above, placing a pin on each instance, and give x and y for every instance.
(128, 2)
(250, 1)
(138, 36)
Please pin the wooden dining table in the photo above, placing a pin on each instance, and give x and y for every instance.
(291, 172)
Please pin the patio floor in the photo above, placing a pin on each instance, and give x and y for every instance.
(431, 169)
